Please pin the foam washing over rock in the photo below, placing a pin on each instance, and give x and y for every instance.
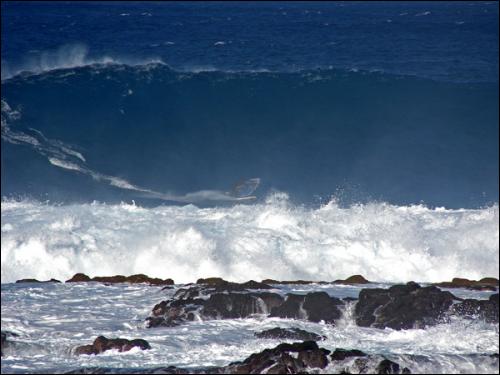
(275, 239)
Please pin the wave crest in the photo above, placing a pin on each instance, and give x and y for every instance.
(67, 57)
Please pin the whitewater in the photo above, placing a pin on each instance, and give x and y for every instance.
(339, 151)
(274, 238)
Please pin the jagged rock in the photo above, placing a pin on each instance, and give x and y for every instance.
(482, 309)
(297, 358)
(36, 281)
(133, 279)
(487, 283)
(389, 367)
(340, 354)
(101, 344)
(237, 305)
(216, 299)
(402, 306)
(292, 282)
(315, 306)
(352, 280)
(279, 361)
(289, 333)
(230, 286)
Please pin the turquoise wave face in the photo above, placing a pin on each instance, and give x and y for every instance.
(108, 132)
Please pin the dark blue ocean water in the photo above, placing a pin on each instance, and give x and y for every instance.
(389, 101)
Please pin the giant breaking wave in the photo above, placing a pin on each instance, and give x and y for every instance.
(113, 132)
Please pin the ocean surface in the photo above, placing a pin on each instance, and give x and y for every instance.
(245, 140)
(52, 319)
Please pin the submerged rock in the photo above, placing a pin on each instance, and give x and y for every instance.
(101, 344)
(289, 333)
(6, 343)
(315, 307)
(133, 279)
(340, 354)
(402, 306)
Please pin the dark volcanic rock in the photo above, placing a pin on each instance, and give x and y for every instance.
(36, 281)
(79, 278)
(315, 306)
(298, 358)
(230, 286)
(6, 343)
(487, 283)
(238, 305)
(279, 360)
(340, 354)
(388, 367)
(352, 280)
(289, 333)
(482, 309)
(213, 299)
(292, 282)
(101, 344)
(133, 279)
(402, 306)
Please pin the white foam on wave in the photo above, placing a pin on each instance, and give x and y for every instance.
(67, 57)
(274, 239)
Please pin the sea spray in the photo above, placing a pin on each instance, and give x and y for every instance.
(273, 239)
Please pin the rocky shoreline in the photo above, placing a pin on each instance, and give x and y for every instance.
(398, 307)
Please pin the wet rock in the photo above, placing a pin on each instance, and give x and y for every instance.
(479, 309)
(349, 299)
(289, 333)
(36, 281)
(292, 282)
(143, 279)
(101, 344)
(340, 354)
(6, 343)
(155, 321)
(230, 286)
(217, 299)
(79, 278)
(389, 367)
(298, 358)
(237, 305)
(133, 279)
(315, 307)
(402, 306)
(352, 280)
(280, 360)
(487, 283)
